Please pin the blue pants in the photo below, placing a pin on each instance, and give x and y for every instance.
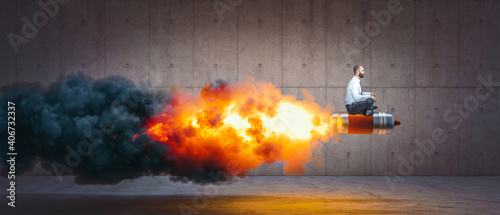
(359, 107)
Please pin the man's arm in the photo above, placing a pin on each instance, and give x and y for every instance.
(366, 93)
(357, 95)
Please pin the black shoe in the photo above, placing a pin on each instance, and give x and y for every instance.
(368, 112)
(374, 107)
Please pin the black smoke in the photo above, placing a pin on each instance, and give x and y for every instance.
(92, 129)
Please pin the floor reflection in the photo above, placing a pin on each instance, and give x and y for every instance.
(79, 204)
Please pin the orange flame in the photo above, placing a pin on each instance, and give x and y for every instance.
(237, 128)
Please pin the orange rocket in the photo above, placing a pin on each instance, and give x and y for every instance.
(378, 123)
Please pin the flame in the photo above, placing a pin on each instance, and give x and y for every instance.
(236, 128)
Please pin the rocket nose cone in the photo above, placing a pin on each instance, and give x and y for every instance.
(396, 123)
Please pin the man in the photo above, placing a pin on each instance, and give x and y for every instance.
(357, 101)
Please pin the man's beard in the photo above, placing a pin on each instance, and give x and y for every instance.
(361, 75)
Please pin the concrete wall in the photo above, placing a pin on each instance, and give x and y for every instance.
(423, 63)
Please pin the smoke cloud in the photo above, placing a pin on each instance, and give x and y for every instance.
(92, 129)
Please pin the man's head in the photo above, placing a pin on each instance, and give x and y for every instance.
(359, 71)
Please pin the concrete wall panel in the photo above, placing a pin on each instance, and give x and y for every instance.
(479, 151)
(304, 43)
(259, 41)
(479, 36)
(432, 125)
(344, 18)
(215, 43)
(351, 154)
(83, 37)
(127, 39)
(385, 149)
(8, 23)
(436, 43)
(40, 59)
(392, 45)
(171, 29)
(420, 62)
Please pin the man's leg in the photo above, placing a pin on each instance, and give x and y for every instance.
(359, 107)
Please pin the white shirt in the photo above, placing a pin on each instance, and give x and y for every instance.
(354, 93)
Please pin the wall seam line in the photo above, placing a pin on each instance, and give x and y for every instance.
(282, 41)
(237, 44)
(459, 71)
(192, 56)
(370, 88)
(61, 72)
(371, 84)
(326, 77)
(282, 56)
(149, 42)
(414, 79)
(105, 40)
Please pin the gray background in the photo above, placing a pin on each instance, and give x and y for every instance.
(422, 64)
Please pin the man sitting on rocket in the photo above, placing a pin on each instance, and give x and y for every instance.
(357, 101)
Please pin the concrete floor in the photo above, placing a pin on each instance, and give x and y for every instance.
(259, 195)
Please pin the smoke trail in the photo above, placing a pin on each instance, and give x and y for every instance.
(88, 128)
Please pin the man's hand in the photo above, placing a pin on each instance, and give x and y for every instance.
(373, 97)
